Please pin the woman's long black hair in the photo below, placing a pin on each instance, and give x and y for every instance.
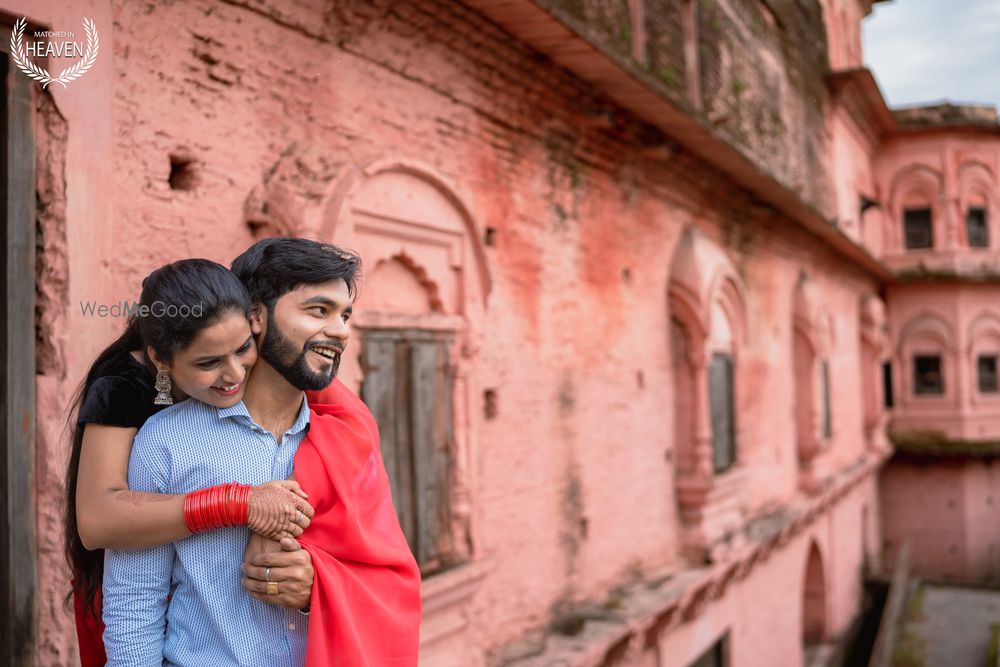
(189, 283)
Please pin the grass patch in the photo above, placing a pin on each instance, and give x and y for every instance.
(910, 649)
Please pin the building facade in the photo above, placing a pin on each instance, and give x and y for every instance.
(634, 275)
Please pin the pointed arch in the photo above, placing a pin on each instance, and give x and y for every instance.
(421, 321)
(929, 325)
(915, 179)
(928, 356)
(708, 329)
(344, 194)
(916, 186)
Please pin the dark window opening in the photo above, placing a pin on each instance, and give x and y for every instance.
(865, 203)
(917, 228)
(887, 384)
(927, 375)
(720, 390)
(987, 366)
(975, 227)
(183, 173)
(717, 654)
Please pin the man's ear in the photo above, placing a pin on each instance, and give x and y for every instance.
(257, 319)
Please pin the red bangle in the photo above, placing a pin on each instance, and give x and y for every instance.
(217, 507)
(227, 499)
(242, 504)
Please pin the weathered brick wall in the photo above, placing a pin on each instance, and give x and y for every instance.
(606, 20)
(762, 84)
(215, 102)
(665, 43)
(761, 66)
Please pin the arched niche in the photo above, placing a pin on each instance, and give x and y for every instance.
(396, 207)
(927, 335)
(812, 342)
(703, 278)
(418, 323)
(977, 197)
(917, 186)
(983, 358)
(399, 285)
(708, 330)
(874, 352)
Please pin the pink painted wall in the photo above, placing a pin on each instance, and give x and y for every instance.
(954, 533)
(407, 134)
(958, 322)
(763, 614)
(948, 171)
(953, 536)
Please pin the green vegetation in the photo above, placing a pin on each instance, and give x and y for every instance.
(625, 35)
(910, 648)
(994, 644)
(668, 75)
(936, 443)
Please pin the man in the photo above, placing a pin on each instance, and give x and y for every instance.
(302, 292)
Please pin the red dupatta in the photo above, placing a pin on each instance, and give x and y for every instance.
(365, 606)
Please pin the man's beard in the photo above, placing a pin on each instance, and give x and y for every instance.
(277, 350)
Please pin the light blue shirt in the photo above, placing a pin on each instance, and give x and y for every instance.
(210, 619)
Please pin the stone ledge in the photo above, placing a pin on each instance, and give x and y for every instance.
(444, 597)
(654, 608)
(928, 444)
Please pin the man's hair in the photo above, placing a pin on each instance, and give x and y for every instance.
(273, 267)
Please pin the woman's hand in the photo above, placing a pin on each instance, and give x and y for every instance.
(278, 509)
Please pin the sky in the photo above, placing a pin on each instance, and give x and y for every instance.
(925, 51)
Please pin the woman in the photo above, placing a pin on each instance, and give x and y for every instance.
(190, 333)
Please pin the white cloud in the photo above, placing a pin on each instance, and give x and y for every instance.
(926, 50)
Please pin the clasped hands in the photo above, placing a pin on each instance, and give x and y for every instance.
(282, 562)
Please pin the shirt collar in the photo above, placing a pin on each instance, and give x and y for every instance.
(239, 411)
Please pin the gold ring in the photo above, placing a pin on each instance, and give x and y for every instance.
(272, 588)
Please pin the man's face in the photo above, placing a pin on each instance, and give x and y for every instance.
(306, 333)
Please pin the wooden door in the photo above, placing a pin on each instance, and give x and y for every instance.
(17, 359)
(408, 387)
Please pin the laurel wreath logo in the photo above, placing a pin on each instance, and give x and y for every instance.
(40, 74)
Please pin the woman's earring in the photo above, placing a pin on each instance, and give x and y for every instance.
(162, 387)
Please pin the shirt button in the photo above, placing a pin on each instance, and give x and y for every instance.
(291, 626)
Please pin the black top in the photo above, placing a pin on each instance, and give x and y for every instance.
(122, 394)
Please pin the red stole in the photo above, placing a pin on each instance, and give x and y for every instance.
(365, 606)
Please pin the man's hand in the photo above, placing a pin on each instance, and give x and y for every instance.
(290, 568)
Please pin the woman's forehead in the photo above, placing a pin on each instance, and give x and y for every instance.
(231, 330)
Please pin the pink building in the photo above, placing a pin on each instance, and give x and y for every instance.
(937, 181)
(634, 271)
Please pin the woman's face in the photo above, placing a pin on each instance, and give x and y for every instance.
(213, 369)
